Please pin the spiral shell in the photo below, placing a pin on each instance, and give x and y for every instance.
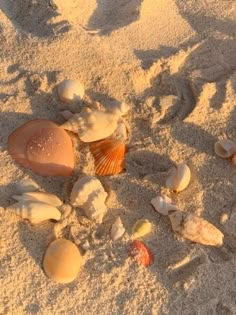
(62, 261)
(162, 204)
(178, 178)
(195, 229)
(70, 90)
(91, 124)
(225, 148)
(109, 156)
(34, 211)
(43, 147)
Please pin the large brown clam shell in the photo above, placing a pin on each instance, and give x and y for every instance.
(42, 146)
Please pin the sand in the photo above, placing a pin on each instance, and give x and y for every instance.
(174, 62)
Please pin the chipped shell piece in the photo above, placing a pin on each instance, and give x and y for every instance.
(195, 229)
(92, 125)
(117, 229)
(62, 261)
(109, 156)
(42, 146)
(178, 178)
(140, 253)
(89, 194)
(26, 185)
(225, 148)
(141, 228)
(34, 211)
(70, 90)
(121, 132)
(39, 196)
(162, 204)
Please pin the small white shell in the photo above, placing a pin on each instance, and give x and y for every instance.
(27, 185)
(34, 211)
(225, 148)
(89, 194)
(70, 90)
(162, 204)
(39, 196)
(117, 229)
(178, 178)
(195, 229)
(92, 125)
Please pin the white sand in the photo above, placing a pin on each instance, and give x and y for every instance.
(174, 61)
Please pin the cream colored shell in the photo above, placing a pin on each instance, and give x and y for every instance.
(162, 204)
(39, 196)
(34, 211)
(26, 185)
(178, 178)
(89, 194)
(62, 261)
(70, 90)
(141, 228)
(195, 229)
(225, 148)
(92, 125)
(117, 229)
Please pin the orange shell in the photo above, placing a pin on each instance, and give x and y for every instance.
(140, 253)
(109, 156)
(43, 147)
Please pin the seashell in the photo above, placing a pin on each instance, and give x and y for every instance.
(195, 229)
(39, 196)
(92, 125)
(141, 228)
(43, 147)
(117, 229)
(109, 156)
(26, 185)
(121, 132)
(178, 178)
(70, 90)
(119, 109)
(225, 148)
(162, 204)
(62, 261)
(89, 194)
(140, 253)
(34, 211)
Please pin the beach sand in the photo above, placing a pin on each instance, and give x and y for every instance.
(174, 62)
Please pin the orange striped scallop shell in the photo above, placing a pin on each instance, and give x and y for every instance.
(109, 156)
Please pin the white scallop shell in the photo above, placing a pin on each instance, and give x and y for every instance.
(39, 196)
(92, 125)
(70, 90)
(178, 178)
(195, 229)
(117, 229)
(162, 204)
(35, 211)
(27, 185)
(225, 148)
(89, 194)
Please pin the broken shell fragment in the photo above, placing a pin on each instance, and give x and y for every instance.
(225, 148)
(178, 178)
(141, 228)
(117, 229)
(39, 196)
(34, 211)
(62, 261)
(140, 253)
(92, 125)
(89, 194)
(26, 185)
(70, 90)
(42, 146)
(195, 229)
(162, 204)
(109, 156)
